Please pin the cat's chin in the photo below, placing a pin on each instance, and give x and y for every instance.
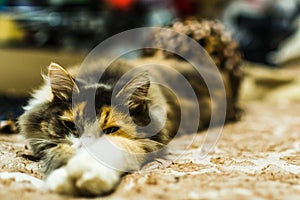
(83, 175)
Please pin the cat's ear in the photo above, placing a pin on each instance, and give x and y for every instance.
(62, 84)
(136, 90)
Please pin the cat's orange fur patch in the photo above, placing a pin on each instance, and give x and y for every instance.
(112, 118)
(67, 116)
(77, 111)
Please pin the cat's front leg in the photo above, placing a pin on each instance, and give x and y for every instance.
(83, 175)
(96, 169)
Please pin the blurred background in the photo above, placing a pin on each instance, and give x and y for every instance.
(34, 33)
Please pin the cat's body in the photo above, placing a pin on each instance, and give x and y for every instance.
(48, 123)
(88, 132)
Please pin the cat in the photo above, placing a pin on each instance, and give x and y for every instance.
(53, 125)
(88, 132)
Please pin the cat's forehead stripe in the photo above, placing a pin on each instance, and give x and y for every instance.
(98, 85)
(78, 109)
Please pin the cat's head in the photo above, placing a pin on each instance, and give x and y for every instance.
(85, 103)
(70, 113)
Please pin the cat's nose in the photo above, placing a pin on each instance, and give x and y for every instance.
(76, 143)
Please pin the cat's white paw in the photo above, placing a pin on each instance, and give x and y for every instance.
(83, 175)
(59, 181)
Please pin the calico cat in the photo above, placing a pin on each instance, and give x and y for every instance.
(53, 125)
(88, 131)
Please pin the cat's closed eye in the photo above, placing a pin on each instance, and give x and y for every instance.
(70, 125)
(111, 130)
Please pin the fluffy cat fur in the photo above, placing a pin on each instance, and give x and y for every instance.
(53, 126)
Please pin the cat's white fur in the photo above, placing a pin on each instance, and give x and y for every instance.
(39, 96)
(83, 174)
(96, 168)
